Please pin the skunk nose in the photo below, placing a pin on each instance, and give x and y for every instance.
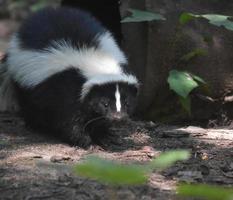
(118, 115)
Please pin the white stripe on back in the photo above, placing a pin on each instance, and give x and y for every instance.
(31, 67)
(118, 99)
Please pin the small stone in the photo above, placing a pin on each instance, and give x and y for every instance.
(190, 176)
(231, 166)
(204, 156)
(37, 156)
(228, 174)
(57, 159)
(204, 170)
(175, 133)
(126, 195)
(147, 148)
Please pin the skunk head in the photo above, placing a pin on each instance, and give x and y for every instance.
(112, 101)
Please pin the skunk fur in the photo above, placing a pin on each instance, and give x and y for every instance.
(68, 76)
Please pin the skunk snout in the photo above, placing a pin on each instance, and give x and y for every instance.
(118, 116)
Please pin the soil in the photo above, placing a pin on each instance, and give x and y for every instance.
(33, 166)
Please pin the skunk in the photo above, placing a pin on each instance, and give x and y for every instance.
(68, 76)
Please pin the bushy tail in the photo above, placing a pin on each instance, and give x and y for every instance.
(8, 102)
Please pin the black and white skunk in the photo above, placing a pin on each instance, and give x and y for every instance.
(68, 76)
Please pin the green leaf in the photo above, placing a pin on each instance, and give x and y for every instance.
(198, 79)
(217, 20)
(205, 191)
(118, 174)
(181, 82)
(38, 5)
(167, 159)
(111, 172)
(195, 53)
(185, 18)
(142, 16)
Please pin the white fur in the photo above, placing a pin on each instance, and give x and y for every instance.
(107, 78)
(31, 67)
(118, 99)
(108, 44)
(99, 65)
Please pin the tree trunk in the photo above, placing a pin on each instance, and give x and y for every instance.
(164, 43)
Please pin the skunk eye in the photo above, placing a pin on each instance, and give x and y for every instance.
(105, 104)
(126, 103)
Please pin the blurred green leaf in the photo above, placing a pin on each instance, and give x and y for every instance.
(167, 159)
(181, 82)
(185, 18)
(111, 172)
(39, 5)
(219, 20)
(142, 16)
(214, 19)
(198, 79)
(205, 191)
(193, 54)
(121, 174)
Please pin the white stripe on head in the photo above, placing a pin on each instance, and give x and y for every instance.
(107, 78)
(118, 99)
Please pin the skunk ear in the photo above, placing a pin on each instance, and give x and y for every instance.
(137, 88)
(134, 89)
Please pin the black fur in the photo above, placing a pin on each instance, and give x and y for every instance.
(48, 25)
(54, 107)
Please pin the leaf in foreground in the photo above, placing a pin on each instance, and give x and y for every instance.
(142, 16)
(111, 172)
(205, 191)
(167, 159)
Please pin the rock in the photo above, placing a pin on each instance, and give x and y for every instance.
(190, 176)
(58, 159)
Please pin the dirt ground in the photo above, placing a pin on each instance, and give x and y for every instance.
(36, 167)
